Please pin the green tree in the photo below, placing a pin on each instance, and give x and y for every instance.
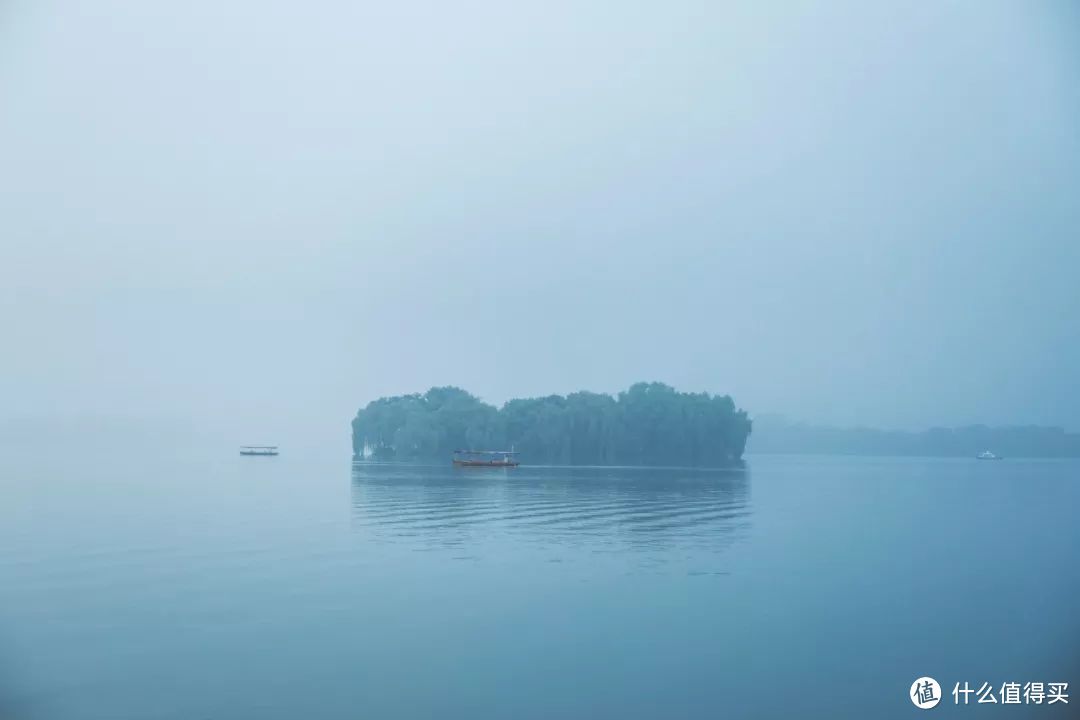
(647, 424)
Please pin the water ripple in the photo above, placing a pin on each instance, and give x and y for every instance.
(432, 507)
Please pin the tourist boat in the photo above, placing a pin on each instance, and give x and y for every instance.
(485, 458)
(258, 450)
(987, 455)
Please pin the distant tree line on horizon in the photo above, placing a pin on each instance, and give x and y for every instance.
(777, 435)
(648, 424)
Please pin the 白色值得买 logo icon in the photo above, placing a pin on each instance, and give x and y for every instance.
(925, 693)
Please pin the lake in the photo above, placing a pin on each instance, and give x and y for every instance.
(198, 585)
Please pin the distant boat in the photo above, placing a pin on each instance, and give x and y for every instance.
(987, 455)
(258, 450)
(485, 458)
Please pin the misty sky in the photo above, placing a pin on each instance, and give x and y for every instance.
(257, 216)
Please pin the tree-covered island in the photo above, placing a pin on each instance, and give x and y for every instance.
(648, 424)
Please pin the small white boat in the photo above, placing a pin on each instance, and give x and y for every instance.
(258, 450)
(987, 455)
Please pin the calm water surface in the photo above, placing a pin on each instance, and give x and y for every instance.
(207, 585)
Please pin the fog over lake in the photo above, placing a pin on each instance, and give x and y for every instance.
(602, 359)
(249, 220)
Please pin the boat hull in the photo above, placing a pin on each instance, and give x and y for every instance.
(484, 463)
